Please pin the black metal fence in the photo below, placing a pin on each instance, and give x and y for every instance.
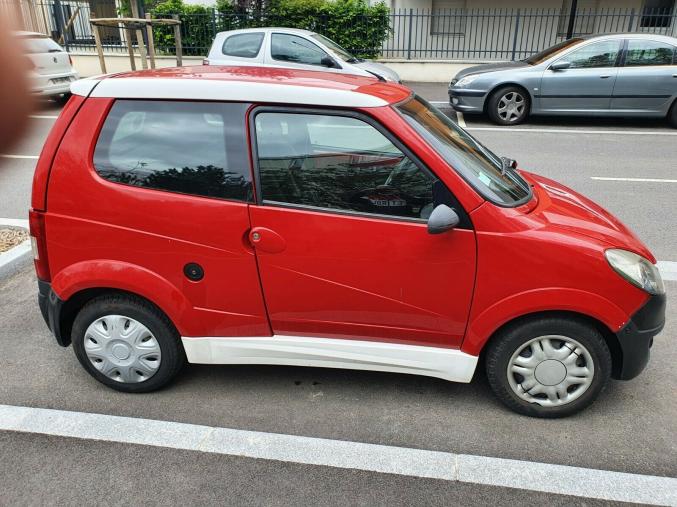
(414, 34)
(508, 34)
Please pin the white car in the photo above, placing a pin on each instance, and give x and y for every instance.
(52, 68)
(292, 48)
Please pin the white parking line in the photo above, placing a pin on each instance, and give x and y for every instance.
(577, 131)
(643, 180)
(43, 117)
(461, 120)
(4, 155)
(668, 270)
(526, 475)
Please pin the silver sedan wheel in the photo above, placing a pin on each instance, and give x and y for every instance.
(551, 370)
(511, 106)
(122, 349)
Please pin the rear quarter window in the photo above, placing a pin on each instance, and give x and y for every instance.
(196, 148)
(40, 45)
(246, 45)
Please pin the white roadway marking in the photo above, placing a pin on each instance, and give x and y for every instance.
(482, 470)
(33, 157)
(577, 131)
(668, 270)
(640, 180)
(461, 120)
(42, 117)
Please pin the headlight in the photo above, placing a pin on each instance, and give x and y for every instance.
(465, 81)
(636, 270)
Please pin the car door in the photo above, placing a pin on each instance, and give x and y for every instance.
(647, 81)
(587, 84)
(340, 233)
(297, 52)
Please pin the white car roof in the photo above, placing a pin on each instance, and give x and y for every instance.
(268, 29)
(245, 84)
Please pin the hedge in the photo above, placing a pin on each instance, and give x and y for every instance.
(353, 24)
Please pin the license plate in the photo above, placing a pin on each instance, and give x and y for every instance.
(58, 80)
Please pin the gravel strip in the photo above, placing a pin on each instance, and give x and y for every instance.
(11, 237)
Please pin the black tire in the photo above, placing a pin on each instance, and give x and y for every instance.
(507, 93)
(514, 337)
(172, 354)
(672, 115)
(62, 99)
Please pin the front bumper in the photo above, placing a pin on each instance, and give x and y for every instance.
(466, 100)
(636, 338)
(51, 308)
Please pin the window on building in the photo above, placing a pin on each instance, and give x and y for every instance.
(584, 22)
(197, 148)
(448, 17)
(295, 49)
(648, 52)
(245, 45)
(338, 163)
(657, 13)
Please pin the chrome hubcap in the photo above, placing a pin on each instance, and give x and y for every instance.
(511, 106)
(122, 348)
(550, 370)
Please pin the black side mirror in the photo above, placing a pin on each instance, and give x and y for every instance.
(442, 219)
(560, 66)
(328, 61)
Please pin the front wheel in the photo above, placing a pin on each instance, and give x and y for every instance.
(509, 106)
(548, 367)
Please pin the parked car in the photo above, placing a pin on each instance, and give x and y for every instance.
(629, 75)
(292, 48)
(52, 69)
(368, 232)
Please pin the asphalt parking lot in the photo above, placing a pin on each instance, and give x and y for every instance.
(628, 167)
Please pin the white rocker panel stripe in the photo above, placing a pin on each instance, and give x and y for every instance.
(206, 89)
(447, 364)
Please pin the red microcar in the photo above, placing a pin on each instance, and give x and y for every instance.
(224, 215)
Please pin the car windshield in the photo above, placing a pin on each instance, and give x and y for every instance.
(553, 50)
(344, 54)
(40, 45)
(475, 163)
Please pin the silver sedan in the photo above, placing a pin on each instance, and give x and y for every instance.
(629, 75)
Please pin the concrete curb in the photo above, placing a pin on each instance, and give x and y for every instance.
(15, 258)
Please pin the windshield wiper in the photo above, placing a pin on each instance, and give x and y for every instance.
(507, 164)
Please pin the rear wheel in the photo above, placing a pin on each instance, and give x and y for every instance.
(509, 105)
(548, 367)
(62, 99)
(672, 115)
(127, 343)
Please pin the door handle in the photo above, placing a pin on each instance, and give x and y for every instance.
(266, 240)
(674, 75)
(605, 76)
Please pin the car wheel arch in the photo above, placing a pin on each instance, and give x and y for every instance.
(507, 84)
(609, 336)
(72, 306)
(75, 285)
(529, 304)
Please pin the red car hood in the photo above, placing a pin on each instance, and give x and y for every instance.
(566, 209)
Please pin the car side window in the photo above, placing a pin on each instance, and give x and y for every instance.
(244, 45)
(648, 52)
(197, 148)
(338, 163)
(295, 49)
(597, 54)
